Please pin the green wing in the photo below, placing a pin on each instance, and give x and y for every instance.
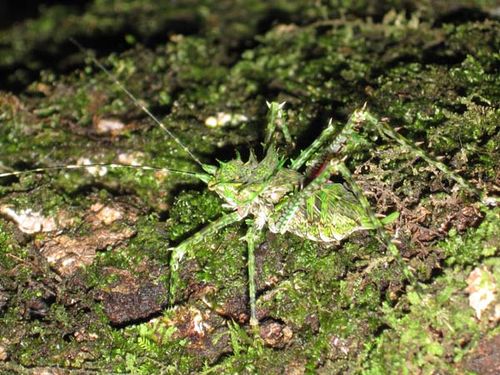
(328, 214)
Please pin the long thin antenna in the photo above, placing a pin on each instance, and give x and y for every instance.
(201, 176)
(136, 101)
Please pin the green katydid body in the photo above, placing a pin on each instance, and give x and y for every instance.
(274, 193)
(266, 189)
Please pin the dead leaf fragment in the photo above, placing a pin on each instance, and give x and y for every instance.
(106, 214)
(29, 221)
(131, 158)
(3, 353)
(482, 290)
(109, 126)
(275, 334)
(66, 254)
(205, 333)
(190, 323)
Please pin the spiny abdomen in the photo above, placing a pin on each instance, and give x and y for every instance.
(329, 214)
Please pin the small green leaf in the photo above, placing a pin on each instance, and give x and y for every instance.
(414, 298)
(391, 218)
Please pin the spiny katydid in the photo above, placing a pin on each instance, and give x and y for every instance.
(275, 193)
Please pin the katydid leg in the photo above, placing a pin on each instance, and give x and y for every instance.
(387, 131)
(331, 141)
(250, 238)
(276, 121)
(186, 246)
(377, 224)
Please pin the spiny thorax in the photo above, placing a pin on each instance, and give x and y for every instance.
(252, 186)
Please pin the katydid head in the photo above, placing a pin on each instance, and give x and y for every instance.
(239, 182)
(229, 181)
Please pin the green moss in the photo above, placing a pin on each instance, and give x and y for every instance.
(8, 246)
(481, 243)
(190, 211)
(425, 339)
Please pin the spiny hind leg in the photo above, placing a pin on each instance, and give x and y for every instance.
(387, 131)
(331, 141)
(315, 147)
(375, 221)
(186, 246)
(286, 214)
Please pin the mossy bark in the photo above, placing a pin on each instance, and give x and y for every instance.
(431, 71)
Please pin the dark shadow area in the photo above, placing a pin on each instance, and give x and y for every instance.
(462, 15)
(64, 57)
(12, 11)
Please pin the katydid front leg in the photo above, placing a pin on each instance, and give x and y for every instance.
(276, 120)
(332, 136)
(250, 237)
(186, 246)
